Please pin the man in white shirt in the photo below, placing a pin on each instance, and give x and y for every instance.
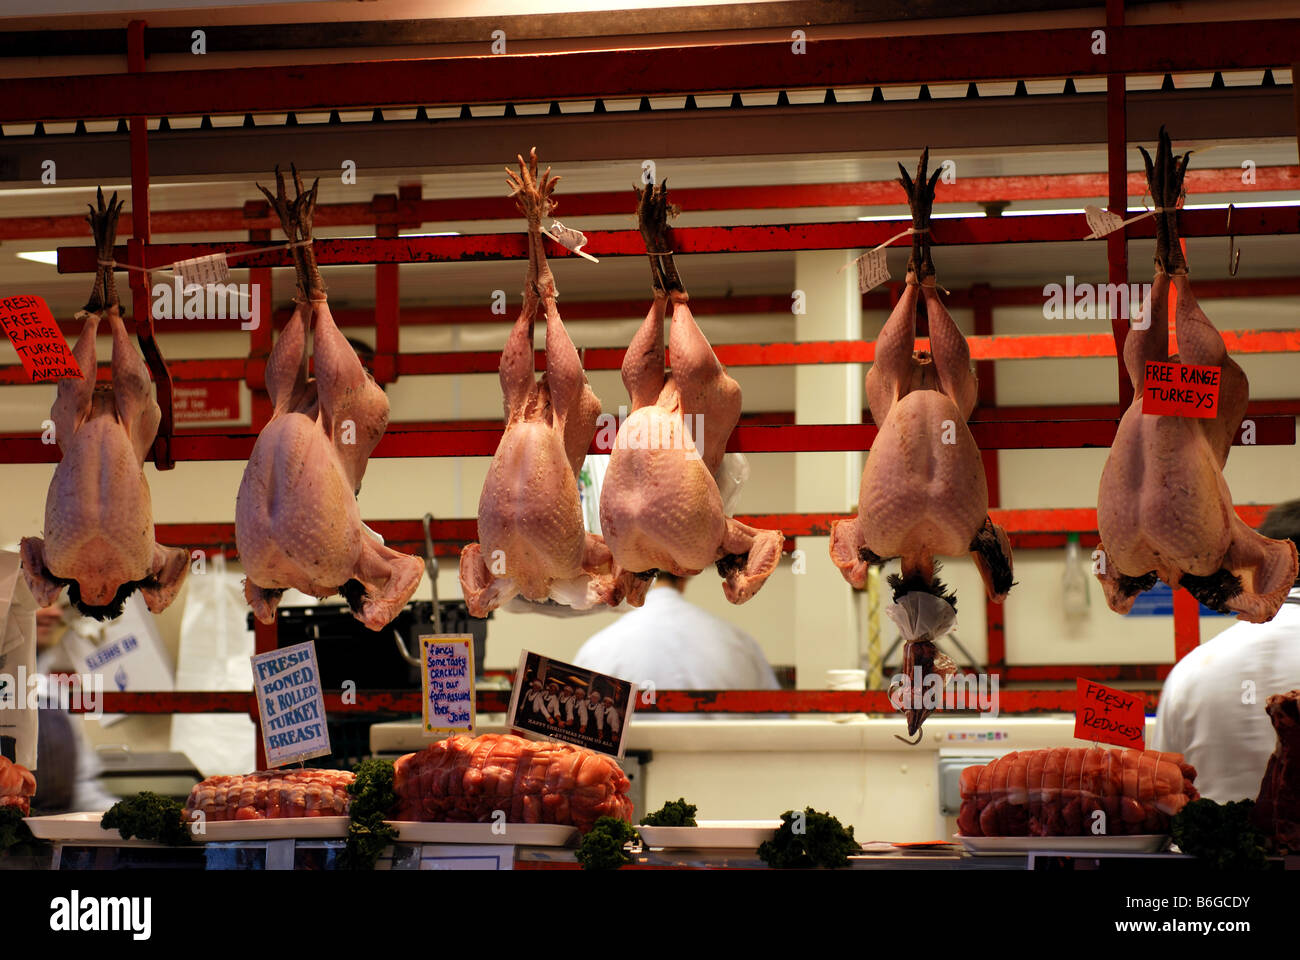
(673, 644)
(1212, 706)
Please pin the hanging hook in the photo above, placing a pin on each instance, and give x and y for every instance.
(1234, 255)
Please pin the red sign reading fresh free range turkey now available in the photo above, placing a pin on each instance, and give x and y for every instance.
(30, 326)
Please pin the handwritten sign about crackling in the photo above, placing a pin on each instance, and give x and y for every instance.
(1106, 715)
(1180, 390)
(291, 706)
(30, 326)
(447, 678)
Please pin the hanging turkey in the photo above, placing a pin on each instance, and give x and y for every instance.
(297, 523)
(923, 490)
(660, 508)
(532, 541)
(99, 533)
(1163, 509)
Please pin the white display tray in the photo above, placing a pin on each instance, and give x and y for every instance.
(82, 827)
(711, 835)
(1004, 846)
(524, 834)
(279, 828)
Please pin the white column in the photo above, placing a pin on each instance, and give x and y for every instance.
(827, 620)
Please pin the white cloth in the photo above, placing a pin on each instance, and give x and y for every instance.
(673, 644)
(1201, 714)
(612, 719)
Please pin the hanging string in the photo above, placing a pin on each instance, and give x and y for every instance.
(236, 255)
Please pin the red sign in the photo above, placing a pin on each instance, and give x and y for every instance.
(205, 401)
(1106, 715)
(41, 347)
(1180, 390)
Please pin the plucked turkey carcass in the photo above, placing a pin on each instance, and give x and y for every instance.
(1163, 509)
(1058, 792)
(17, 786)
(923, 490)
(660, 507)
(297, 523)
(468, 779)
(532, 541)
(272, 795)
(99, 534)
(1277, 810)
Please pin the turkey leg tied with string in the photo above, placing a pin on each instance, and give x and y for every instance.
(297, 522)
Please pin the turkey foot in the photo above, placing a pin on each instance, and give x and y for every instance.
(99, 534)
(532, 539)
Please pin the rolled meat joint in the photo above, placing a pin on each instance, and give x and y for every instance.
(1163, 508)
(532, 541)
(272, 795)
(1058, 793)
(297, 523)
(660, 505)
(99, 533)
(17, 786)
(468, 779)
(1277, 810)
(923, 490)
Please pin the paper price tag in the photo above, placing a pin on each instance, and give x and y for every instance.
(203, 270)
(31, 328)
(873, 270)
(447, 679)
(1107, 715)
(569, 238)
(1101, 222)
(559, 701)
(291, 705)
(1180, 390)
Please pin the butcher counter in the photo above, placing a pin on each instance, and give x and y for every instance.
(853, 767)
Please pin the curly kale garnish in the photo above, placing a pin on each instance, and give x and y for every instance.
(1220, 834)
(809, 839)
(149, 816)
(674, 813)
(372, 799)
(602, 848)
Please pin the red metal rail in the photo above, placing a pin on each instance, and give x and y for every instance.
(1044, 228)
(982, 348)
(774, 438)
(411, 214)
(407, 702)
(583, 75)
(1028, 527)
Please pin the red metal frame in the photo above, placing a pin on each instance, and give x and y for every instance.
(752, 66)
(413, 212)
(958, 231)
(716, 68)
